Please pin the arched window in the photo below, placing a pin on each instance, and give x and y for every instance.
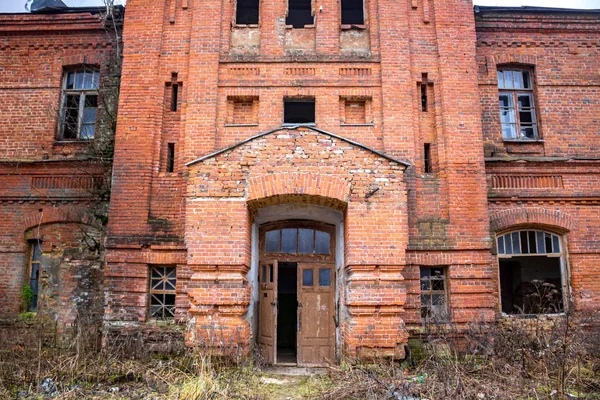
(532, 274)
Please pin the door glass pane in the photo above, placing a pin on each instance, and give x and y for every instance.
(264, 274)
(272, 238)
(307, 277)
(289, 240)
(271, 273)
(324, 277)
(323, 242)
(306, 241)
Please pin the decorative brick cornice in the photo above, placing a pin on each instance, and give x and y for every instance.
(505, 219)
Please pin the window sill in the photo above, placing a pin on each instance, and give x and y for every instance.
(533, 316)
(234, 25)
(161, 322)
(291, 124)
(523, 140)
(312, 26)
(239, 125)
(72, 141)
(346, 27)
(369, 124)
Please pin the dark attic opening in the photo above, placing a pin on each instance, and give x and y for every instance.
(299, 111)
(299, 13)
(353, 12)
(247, 12)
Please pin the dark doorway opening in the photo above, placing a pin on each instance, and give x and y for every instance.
(287, 312)
(531, 285)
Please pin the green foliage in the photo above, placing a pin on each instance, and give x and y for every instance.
(26, 297)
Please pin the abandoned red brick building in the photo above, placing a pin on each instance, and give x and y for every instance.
(320, 179)
(59, 80)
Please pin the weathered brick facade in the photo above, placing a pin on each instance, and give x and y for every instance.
(51, 189)
(406, 163)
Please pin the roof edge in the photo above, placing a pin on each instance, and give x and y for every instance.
(532, 9)
(293, 127)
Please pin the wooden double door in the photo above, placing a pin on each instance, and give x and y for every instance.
(314, 308)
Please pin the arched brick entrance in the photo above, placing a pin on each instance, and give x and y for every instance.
(229, 192)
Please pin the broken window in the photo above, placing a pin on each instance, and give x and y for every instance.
(79, 105)
(163, 281)
(299, 111)
(299, 13)
(33, 272)
(531, 280)
(246, 12)
(353, 12)
(298, 241)
(433, 294)
(517, 111)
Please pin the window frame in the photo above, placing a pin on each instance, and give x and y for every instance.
(353, 24)
(151, 292)
(563, 267)
(513, 94)
(309, 99)
(82, 93)
(430, 292)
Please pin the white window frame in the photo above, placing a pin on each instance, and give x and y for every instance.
(83, 93)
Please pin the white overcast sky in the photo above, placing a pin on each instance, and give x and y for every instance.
(18, 5)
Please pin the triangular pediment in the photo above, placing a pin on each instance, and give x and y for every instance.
(296, 127)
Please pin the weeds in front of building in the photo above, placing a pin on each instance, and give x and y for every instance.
(524, 357)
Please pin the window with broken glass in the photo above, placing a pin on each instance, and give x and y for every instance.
(433, 294)
(79, 104)
(532, 272)
(517, 110)
(163, 280)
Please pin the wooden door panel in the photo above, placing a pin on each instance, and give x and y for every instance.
(267, 313)
(316, 329)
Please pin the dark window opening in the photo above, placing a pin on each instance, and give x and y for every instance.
(287, 311)
(174, 94)
(170, 157)
(299, 111)
(299, 13)
(34, 274)
(353, 12)
(530, 272)
(423, 97)
(428, 167)
(163, 281)
(433, 295)
(247, 12)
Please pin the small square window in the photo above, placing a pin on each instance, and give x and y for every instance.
(163, 283)
(79, 105)
(299, 111)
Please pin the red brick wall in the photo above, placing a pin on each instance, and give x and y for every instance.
(557, 188)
